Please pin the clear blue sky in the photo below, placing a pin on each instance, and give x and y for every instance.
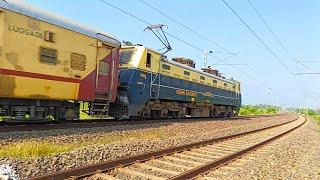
(295, 22)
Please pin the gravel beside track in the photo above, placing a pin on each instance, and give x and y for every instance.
(295, 156)
(172, 134)
(215, 152)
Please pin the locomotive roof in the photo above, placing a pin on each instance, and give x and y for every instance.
(182, 65)
(22, 7)
(197, 70)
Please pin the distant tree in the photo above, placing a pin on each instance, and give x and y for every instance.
(258, 109)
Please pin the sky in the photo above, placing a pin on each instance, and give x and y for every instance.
(265, 80)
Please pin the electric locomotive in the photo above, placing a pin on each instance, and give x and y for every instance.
(151, 86)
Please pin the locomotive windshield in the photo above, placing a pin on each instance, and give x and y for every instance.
(125, 56)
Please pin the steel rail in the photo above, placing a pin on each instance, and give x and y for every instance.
(104, 123)
(88, 170)
(214, 164)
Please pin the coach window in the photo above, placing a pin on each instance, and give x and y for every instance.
(166, 67)
(186, 73)
(48, 55)
(49, 36)
(149, 58)
(215, 81)
(103, 67)
(225, 84)
(78, 61)
(202, 78)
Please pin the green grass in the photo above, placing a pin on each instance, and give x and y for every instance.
(33, 149)
(316, 118)
(257, 110)
(29, 149)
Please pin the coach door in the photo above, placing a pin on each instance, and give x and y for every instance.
(104, 59)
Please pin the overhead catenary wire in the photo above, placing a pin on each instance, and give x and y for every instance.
(263, 43)
(309, 61)
(306, 66)
(274, 34)
(185, 26)
(169, 34)
(298, 83)
(183, 41)
(302, 63)
(143, 21)
(259, 38)
(268, 27)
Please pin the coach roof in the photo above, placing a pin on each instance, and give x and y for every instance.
(22, 7)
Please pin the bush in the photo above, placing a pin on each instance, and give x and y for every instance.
(258, 110)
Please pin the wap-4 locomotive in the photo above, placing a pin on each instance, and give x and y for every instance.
(54, 69)
(154, 87)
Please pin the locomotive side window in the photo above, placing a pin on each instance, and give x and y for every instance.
(78, 61)
(166, 67)
(148, 62)
(186, 73)
(48, 55)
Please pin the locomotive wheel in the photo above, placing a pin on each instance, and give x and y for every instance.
(70, 114)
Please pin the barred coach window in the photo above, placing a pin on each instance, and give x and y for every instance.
(78, 61)
(48, 55)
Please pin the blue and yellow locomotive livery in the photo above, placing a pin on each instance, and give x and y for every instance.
(154, 87)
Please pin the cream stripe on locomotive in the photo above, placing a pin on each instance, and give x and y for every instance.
(175, 69)
(155, 84)
(199, 82)
(204, 93)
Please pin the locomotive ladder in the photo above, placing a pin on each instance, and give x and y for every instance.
(100, 105)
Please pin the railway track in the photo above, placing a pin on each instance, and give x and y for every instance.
(183, 162)
(101, 123)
